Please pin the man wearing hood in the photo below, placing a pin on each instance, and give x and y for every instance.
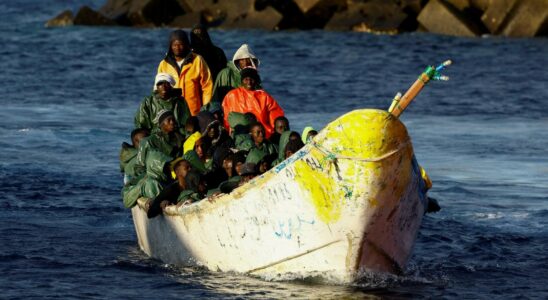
(229, 77)
(201, 44)
(164, 97)
(249, 98)
(189, 70)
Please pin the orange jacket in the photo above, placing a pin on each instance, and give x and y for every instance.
(194, 81)
(258, 102)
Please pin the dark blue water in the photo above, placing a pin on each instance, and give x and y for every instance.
(67, 103)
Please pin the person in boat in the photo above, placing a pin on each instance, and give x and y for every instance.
(200, 157)
(284, 139)
(250, 99)
(308, 134)
(164, 97)
(153, 160)
(292, 147)
(128, 154)
(281, 124)
(248, 172)
(229, 78)
(260, 143)
(191, 126)
(201, 44)
(189, 70)
(187, 187)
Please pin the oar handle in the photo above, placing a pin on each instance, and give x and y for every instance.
(431, 73)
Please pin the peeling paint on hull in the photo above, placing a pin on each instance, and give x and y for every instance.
(354, 200)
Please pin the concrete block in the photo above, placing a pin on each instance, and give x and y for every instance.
(65, 18)
(374, 16)
(459, 4)
(267, 19)
(117, 10)
(496, 13)
(187, 20)
(439, 17)
(529, 18)
(88, 16)
(226, 12)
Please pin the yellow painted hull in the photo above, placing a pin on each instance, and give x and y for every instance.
(351, 201)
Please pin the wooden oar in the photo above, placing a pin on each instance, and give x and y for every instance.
(431, 73)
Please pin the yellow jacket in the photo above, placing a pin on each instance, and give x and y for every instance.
(194, 80)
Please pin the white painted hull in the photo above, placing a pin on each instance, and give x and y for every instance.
(309, 216)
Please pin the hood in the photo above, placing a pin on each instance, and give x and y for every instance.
(200, 40)
(245, 52)
(284, 139)
(306, 130)
(177, 35)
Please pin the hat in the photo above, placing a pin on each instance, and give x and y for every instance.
(248, 169)
(162, 115)
(161, 77)
(250, 72)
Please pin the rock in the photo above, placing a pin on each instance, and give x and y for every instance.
(496, 13)
(374, 16)
(267, 19)
(318, 12)
(153, 12)
(117, 10)
(440, 17)
(87, 16)
(187, 20)
(63, 19)
(529, 18)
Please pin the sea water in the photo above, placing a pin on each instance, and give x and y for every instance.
(68, 99)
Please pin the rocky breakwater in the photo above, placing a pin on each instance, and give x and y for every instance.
(512, 18)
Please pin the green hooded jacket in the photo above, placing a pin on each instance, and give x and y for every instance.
(284, 139)
(151, 105)
(128, 155)
(170, 145)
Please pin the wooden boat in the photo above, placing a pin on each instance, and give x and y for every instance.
(351, 201)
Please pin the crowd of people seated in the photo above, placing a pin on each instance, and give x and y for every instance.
(207, 128)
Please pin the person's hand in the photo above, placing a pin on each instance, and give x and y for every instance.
(164, 204)
(184, 203)
(148, 204)
(213, 197)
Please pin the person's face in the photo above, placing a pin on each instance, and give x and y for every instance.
(288, 154)
(164, 89)
(257, 134)
(263, 167)
(213, 132)
(249, 83)
(239, 167)
(178, 48)
(189, 129)
(199, 149)
(244, 63)
(137, 139)
(182, 171)
(227, 164)
(281, 126)
(168, 125)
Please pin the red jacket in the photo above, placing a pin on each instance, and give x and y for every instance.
(258, 102)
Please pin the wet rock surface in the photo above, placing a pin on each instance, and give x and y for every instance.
(523, 18)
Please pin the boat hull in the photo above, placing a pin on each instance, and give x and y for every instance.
(352, 201)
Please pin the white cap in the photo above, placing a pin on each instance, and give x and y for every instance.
(164, 77)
